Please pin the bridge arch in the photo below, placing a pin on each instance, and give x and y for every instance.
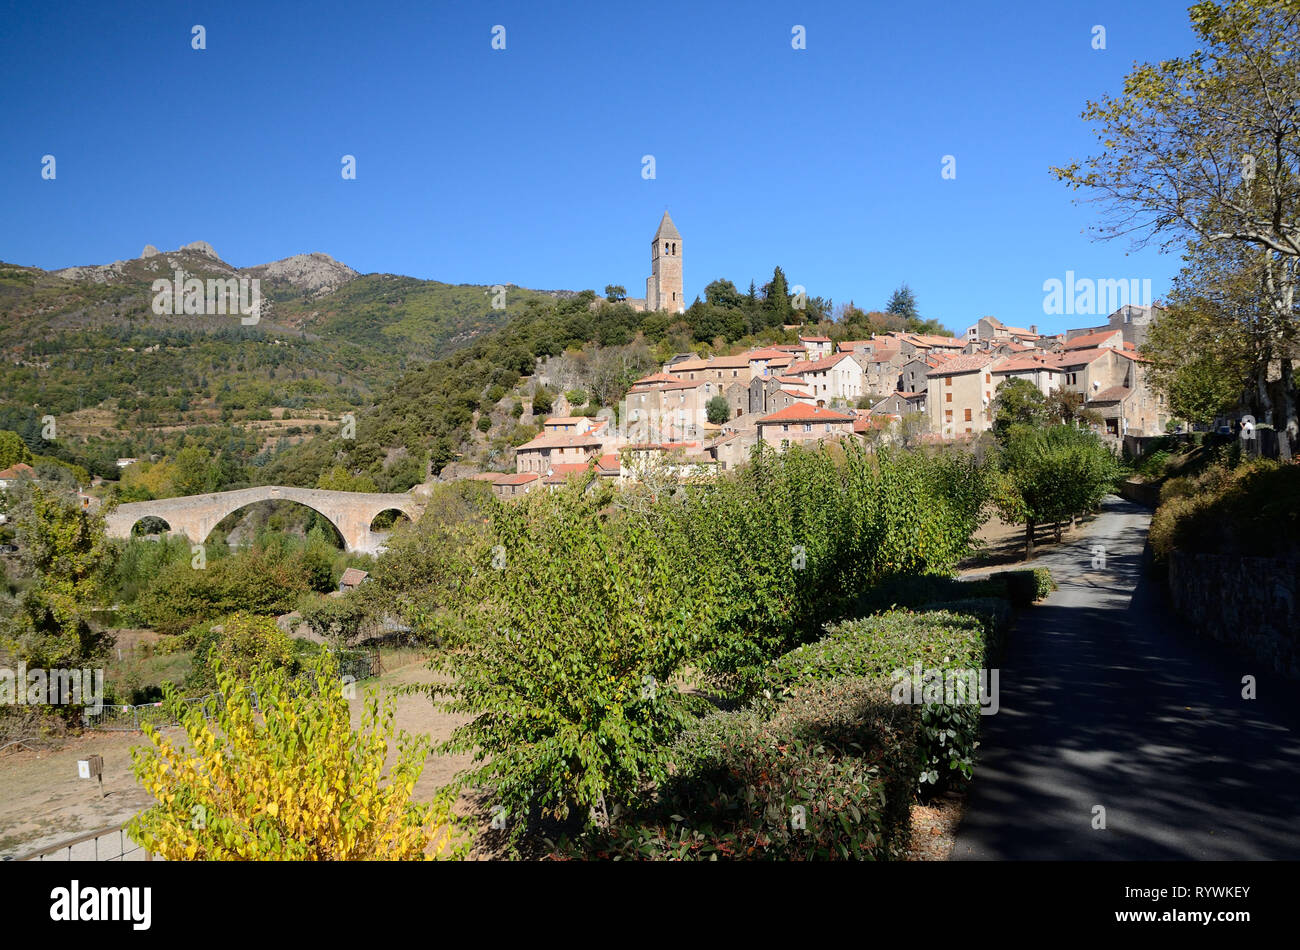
(195, 516)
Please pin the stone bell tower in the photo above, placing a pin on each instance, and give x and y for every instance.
(663, 288)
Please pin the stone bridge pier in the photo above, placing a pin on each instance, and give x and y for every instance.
(196, 515)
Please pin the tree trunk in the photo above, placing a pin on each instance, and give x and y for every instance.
(1286, 423)
(1029, 538)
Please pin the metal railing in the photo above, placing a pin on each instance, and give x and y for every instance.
(106, 844)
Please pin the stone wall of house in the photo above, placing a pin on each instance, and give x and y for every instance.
(1252, 603)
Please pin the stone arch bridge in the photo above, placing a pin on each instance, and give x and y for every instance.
(196, 515)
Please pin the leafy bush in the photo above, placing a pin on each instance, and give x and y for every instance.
(239, 643)
(1253, 509)
(829, 776)
(881, 648)
(288, 781)
(1153, 464)
(566, 670)
(1025, 587)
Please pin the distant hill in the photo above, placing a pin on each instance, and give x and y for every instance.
(88, 336)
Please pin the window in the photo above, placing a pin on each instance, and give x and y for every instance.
(968, 430)
(948, 397)
(988, 378)
(968, 417)
(947, 415)
(828, 427)
(947, 380)
(807, 427)
(785, 427)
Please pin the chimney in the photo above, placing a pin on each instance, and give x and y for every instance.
(1033, 328)
(821, 403)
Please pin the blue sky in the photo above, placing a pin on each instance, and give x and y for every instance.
(524, 165)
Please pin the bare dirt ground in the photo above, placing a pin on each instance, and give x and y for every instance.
(1004, 544)
(934, 827)
(43, 802)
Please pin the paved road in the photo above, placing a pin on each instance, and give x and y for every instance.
(1106, 699)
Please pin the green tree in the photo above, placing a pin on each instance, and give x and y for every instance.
(718, 409)
(65, 548)
(723, 293)
(615, 292)
(1017, 402)
(902, 302)
(566, 671)
(1205, 149)
(1204, 348)
(776, 299)
(543, 401)
(193, 472)
(1067, 407)
(13, 449)
(339, 478)
(1051, 475)
(336, 620)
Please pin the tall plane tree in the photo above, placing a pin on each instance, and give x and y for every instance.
(1205, 149)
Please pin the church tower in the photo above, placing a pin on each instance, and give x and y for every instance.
(663, 288)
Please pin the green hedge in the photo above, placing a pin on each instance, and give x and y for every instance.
(1021, 587)
(968, 637)
(829, 739)
(830, 775)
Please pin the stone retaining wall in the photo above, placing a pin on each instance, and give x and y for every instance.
(1252, 603)
(1144, 493)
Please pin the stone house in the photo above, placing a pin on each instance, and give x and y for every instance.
(542, 453)
(511, 486)
(959, 391)
(838, 378)
(803, 423)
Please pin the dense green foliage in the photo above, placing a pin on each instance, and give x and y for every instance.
(878, 646)
(568, 620)
(1252, 509)
(830, 776)
(64, 549)
(164, 586)
(1051, 475)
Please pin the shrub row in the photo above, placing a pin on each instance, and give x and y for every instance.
(962, 635)
(1020, 587)
(828, 766)
(830, 775)
(1251, 509)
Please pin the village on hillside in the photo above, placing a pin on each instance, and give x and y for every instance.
(817, 391)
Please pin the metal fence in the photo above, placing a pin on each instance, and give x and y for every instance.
(133, 718)
(106, 844)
